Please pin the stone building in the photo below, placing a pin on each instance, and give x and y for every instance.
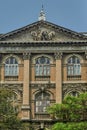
(42, 63)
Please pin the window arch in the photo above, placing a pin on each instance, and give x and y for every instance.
(42, 67)
(74, 66)
(42, 101)
(11, 67)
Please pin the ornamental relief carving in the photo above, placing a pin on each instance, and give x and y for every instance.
(17, 88)
(74, 87)
(42, 35)
(45, 85)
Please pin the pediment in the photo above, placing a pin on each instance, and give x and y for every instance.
(42, 31)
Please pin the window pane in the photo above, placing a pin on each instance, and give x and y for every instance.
(74, 67)
(37, 70)
(42, 101)
(45, 70)
(42, 66)
(74, 93)
(78, 70)
(11, 67)
(41, 70)
(42, 60)
(48, 70)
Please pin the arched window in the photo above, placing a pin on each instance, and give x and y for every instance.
(74, 94)
(42, 66)
(11, 67)
(42, 101)
(74, 66)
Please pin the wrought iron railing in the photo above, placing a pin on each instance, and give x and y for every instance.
(74, 77)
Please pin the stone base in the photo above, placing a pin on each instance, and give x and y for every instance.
(25, 112)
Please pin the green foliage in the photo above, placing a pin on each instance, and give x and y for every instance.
(72, 108)
(8, 117)
(59, 126)
(71, 111)
(70, 126)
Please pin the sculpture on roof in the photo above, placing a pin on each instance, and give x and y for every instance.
(42, 15)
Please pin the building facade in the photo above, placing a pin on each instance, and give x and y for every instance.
(42, 63)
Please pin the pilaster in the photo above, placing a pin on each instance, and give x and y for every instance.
(2, 68)
(26, 88)
(58, 58)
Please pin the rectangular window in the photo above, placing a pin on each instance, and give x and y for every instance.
(11, 70)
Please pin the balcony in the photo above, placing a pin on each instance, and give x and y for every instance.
(42, 116)
(42, 78)
(73, 77)
(11, 78)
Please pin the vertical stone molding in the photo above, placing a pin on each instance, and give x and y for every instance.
(58, 57)
(26, 89)
(2, 69)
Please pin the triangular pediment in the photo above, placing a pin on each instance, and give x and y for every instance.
(42, 31)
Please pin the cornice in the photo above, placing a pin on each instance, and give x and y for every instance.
(41, 43)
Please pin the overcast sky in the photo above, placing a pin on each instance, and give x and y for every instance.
(71, 14)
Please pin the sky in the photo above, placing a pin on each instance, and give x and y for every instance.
(71, 14)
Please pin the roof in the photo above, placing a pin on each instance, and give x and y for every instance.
(46, 24)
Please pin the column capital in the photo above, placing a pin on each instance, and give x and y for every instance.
(58, 55)
(26, 55)
(86, 55)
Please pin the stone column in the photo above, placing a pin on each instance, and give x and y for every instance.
(58, 57)
(26, 88)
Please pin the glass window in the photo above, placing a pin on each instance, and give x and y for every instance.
(74, 93)
(11, 67)
(42, 66)
(42, 102)
(74, 66)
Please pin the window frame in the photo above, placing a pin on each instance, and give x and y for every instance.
(74, 67)
(42, 69)
(11, 67)
(41, 103)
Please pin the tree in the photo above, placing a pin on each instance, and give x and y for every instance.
(8, 117)
(70, 126)
(83, 103)
(71, 113)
